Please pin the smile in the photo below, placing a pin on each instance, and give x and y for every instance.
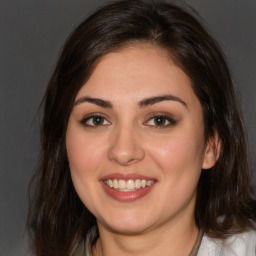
(128, 185)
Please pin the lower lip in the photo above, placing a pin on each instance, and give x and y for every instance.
(127, 196)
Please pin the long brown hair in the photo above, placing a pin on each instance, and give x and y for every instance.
(57, 218)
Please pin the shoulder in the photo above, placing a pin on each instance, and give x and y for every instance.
(243, 244)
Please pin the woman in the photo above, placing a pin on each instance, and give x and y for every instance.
(143, 148)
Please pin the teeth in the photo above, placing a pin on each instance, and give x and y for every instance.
(110, 183)
(128, 185)
(121, 184)
(137, 184)
(149, 183)
(115, 183)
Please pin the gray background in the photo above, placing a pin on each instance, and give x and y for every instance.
(31, 34)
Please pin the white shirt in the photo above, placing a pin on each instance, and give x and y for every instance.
(243, 244)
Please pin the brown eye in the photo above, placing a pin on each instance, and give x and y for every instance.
(160, 121)
(95, 120)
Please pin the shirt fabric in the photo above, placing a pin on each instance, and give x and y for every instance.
(243, 244)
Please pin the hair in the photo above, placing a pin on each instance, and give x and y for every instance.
(57, 218)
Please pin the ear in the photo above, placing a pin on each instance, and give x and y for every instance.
(212, 151)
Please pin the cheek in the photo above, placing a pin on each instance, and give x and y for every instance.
(83, 152)
(180, 160)
(177, 151)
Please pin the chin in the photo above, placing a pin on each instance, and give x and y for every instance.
(127, 223)
(133, 229)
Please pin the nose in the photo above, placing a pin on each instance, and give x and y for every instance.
(126, 147)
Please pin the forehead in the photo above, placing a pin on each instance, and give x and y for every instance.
(136, 72)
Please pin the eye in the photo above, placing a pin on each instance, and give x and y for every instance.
(95, 120)
(160, 121)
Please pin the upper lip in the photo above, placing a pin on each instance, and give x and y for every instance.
(126, 176)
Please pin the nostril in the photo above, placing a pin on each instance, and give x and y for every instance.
(127, 158)
(123, 162)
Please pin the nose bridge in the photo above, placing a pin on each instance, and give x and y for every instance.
(126, 146)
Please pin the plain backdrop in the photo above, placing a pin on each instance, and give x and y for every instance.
(31, 34)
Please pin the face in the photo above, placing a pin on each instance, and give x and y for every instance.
(135, 141)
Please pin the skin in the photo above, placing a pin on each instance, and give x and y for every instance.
(128, 140)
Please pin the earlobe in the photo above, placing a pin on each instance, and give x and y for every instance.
(212, 151)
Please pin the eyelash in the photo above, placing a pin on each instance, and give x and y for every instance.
(153, 118)
(164, 118)
(85, 121)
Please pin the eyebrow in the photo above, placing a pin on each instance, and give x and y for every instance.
(157, 99)
(143, 103)
(96, 101)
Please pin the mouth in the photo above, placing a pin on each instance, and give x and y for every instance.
(128, 185)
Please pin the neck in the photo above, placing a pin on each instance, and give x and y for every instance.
(174, 238)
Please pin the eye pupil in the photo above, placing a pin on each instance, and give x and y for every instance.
(98, 120)
(159, 120)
